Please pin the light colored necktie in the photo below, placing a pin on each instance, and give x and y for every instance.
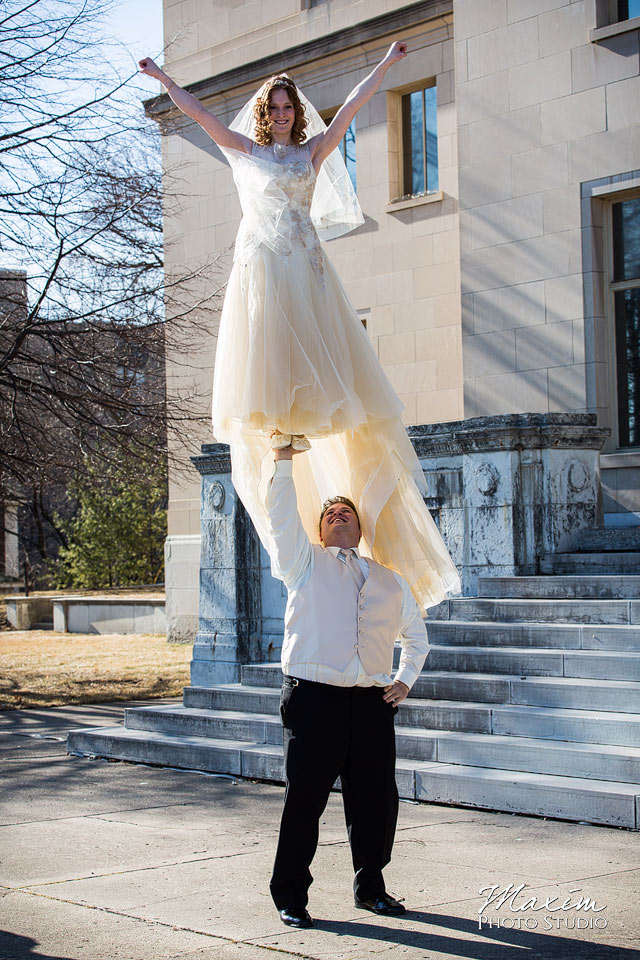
(347, 556)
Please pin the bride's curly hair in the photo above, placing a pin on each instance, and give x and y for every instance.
(261, 111)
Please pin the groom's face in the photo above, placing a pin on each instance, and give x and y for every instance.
(340, 527)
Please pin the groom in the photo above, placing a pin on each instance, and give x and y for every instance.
(338, 702)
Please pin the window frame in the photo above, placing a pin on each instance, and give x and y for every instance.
(607, 23)
(398, 200)
(613, 287)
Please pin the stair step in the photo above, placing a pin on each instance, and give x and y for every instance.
(561, 588)
(234, 696)
(474, 749)
(42, 625)
(519, 610)
(528, 754)
(262, 675)
(618, 696)
(598, 564)
(237, 725)
(588, 664)
(603, 539)
(495, 789)
(543, 795)
(557, 637)
(557, 723)
(563, 723)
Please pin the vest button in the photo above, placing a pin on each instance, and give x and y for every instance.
(360, 619)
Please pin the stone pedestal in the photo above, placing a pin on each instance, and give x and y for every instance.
(504, 491)
(507, 490)
(241, 605)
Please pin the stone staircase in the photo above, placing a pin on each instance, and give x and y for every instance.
(529, 702)
(598, 551)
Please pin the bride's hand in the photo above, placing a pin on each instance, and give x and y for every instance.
(150, 68)
(397, 51)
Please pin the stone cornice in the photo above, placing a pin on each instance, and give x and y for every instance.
(517, 431)
(304, 53)
(213, 458)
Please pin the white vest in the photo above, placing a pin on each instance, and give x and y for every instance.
(328, 621)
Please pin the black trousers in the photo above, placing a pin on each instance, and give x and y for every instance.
(332, 732)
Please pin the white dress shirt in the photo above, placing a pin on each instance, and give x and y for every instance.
(293, 564)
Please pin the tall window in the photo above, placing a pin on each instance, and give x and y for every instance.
(419, 142)
(626, 298)
(347, 148)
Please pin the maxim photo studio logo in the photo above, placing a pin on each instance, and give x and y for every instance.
(505, 907)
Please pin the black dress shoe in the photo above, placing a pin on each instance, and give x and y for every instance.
(295, 917)
(385, 906)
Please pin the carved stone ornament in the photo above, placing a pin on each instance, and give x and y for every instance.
(216, 495)
(487, 478)
(577, 476)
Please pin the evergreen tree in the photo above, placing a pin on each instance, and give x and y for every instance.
(116, 537)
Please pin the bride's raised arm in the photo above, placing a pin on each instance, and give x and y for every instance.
(323, 143)
(190, 105)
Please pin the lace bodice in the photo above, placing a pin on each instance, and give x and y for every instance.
(295, 177)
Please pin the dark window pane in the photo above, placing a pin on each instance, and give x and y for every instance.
(347, 148)
(431, 119)
(626, 240)
(413, 142)
(349, 151)
(627, 306)
(627, 9)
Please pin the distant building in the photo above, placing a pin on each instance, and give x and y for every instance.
(28, 505)
(498, 270)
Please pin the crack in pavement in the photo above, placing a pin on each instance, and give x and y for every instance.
(171, 926)
(122, 873)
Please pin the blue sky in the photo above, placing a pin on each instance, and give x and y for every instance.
(137, 24)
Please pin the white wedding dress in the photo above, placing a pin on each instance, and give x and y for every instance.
(293, 356)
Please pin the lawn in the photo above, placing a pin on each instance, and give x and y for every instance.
(40, 668)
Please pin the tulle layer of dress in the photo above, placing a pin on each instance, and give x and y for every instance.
(294, 356)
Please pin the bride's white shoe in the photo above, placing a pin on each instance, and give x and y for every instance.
(280, 440)
(300, 442)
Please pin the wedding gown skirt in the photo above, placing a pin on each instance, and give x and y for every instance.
(294, 356)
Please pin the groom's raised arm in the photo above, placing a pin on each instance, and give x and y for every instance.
(292, 560)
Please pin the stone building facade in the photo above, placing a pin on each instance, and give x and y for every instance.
(498, 168)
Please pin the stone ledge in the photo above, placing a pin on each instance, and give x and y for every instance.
(613, 29)
(518, 431)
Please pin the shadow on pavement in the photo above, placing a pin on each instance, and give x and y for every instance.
(15, 947)
(494, 944)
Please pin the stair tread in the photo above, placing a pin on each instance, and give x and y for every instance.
(423, 766)
(403, 730)
(537, 651)
(533, 625)
(613, 750)
(539, 779)
(534, 681)
(476, 705)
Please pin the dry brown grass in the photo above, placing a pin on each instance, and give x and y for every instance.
(40, 668)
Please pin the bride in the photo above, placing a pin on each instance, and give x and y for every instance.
(293, 361)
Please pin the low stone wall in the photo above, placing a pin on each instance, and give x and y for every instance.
(23, 612)
(109, 615)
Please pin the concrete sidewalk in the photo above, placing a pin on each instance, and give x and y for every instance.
(115, 861)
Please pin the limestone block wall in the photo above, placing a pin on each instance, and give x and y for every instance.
(543, 107)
